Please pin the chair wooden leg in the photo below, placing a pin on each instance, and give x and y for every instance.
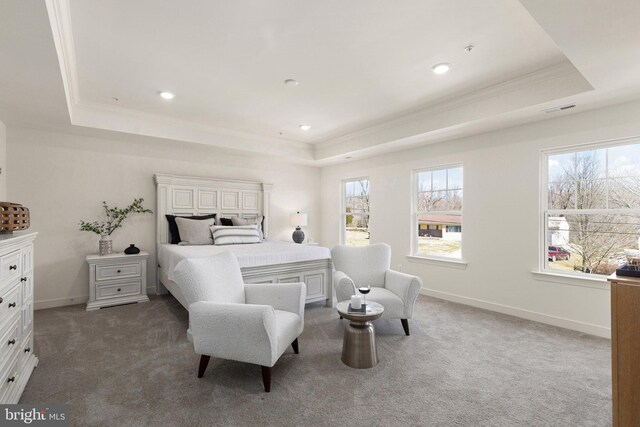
(294, 344)
(266, 378)
(405, 325)
(204, 361)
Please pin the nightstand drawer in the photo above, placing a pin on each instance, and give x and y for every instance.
(132, 287)
(108, 272)
(10, 267)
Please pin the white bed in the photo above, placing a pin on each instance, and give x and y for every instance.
(267, 262)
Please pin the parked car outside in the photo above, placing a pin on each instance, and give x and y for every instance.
(558, 253)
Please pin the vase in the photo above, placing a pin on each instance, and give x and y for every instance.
(132, 250)
(106, 246)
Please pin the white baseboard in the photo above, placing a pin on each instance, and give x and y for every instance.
(561, 322)
(60, 302)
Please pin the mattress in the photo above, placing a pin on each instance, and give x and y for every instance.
(254, 255)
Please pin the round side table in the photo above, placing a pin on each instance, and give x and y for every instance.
(359, 344)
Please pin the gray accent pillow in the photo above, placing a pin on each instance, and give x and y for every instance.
(195, 232)
(258, 221)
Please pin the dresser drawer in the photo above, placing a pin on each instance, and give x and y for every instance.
(109, 272)
(26, 350)
(131, 287)
(10, 267)
(10, 303)
(10, 341)
(9, 379)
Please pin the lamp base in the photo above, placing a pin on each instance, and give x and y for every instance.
(298, 235)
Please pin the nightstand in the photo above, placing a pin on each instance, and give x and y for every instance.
(117, 279)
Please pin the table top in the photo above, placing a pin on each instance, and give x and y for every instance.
(374, 311)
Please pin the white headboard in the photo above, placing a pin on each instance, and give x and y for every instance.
(188, 195)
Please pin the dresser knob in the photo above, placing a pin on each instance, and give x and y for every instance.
(11, 342)
(119, 271)
(119, 289)
(1, 300)
(13, 304)
(27, 350)
(10, 380)
(24, 279)
(13, 267)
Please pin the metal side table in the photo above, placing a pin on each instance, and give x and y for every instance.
(359, 344)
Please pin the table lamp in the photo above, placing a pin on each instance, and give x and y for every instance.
(298, 220)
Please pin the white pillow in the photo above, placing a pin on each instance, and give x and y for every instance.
(258, 221)
(232, 235)
(195, 231)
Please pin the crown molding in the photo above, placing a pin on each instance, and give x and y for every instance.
(60, 19)
(556, 82)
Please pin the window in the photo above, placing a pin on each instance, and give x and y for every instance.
(355, 212)
(437, 212)
(591, 208)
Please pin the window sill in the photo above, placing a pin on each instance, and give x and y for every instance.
(443, 262)
(572, 280)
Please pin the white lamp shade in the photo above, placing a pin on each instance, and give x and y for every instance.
(299, 219)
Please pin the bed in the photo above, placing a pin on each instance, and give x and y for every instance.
(267, 262)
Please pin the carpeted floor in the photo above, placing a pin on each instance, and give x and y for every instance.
(132, 365)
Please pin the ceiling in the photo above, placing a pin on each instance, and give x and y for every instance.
(363, 68)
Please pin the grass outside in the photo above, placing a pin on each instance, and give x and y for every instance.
(439, 247)
(357, 237)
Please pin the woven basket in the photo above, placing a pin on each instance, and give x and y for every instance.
(13, 216)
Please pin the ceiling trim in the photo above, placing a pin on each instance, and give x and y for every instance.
(548, 84)
(60, 19)
(121, 119)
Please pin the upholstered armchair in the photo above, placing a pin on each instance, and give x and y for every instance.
(229, 319)
(370, 265)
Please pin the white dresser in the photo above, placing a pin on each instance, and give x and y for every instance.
(16, 314)
(117, 279)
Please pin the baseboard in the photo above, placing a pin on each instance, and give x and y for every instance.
(561, 322)
(60, 302)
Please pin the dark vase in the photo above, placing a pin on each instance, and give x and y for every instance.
(132, 250)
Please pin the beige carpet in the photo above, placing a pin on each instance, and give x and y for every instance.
(132, 365)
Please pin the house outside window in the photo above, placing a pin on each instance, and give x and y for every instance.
(437, 212)
(355, 212)
(590, 208)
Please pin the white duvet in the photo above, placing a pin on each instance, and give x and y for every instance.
(253, 255)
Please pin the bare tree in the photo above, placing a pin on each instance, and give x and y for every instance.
(595, 237)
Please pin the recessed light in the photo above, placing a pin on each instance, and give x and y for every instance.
(305, 127)
(291, 82)
(167, 95)
(441, 68)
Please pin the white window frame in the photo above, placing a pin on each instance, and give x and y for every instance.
(415, 213)
(544, 204)
(343, 206)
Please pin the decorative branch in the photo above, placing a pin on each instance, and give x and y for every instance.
(114, 218)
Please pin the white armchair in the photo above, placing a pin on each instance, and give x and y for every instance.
(371, 265)
(253, 323)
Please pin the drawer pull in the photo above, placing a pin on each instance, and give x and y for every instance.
(119, 271)
(119, 289)
(13, 304)
(13, 267)
(11, 379)
(27, 350)
(24, 279)
(1, 300)
(11, 342)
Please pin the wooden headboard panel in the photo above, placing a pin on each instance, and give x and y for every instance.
(187, 195)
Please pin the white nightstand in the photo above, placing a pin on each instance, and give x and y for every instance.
(117, 279)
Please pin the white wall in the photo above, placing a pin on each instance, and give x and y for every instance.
(63, 178)
(501, 216)
(3, 163)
